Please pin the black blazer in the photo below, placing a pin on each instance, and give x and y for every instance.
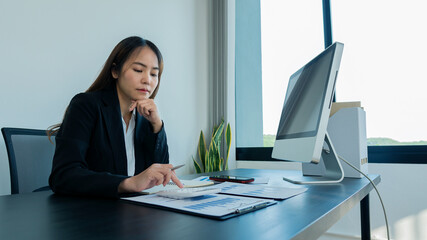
(90, 155)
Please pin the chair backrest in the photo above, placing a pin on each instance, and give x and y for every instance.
(30, 158)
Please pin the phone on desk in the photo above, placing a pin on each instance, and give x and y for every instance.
(226, 178)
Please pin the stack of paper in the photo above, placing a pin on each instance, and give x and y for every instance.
(247, 198)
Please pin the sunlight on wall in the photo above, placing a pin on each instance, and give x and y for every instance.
(409, 228)
(422, 224)
(380, 233)
(405, 228)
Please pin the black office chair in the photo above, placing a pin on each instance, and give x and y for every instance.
(30, 159)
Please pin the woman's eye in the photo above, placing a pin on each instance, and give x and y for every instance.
(137, 70)
(154, 75)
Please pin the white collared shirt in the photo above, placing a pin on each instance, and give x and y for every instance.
(129, 143)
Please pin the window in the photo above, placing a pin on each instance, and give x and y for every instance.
(381, 67)
(268, 32)
(384, 65)
(291, 35)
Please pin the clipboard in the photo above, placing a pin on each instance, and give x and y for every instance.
(213, 206)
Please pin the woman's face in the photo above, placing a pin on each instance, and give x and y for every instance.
(139, 75)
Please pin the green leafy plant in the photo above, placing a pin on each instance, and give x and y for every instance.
(210, 159)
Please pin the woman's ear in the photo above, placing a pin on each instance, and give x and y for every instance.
(114, 71)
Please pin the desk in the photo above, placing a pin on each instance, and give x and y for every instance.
(44, 215)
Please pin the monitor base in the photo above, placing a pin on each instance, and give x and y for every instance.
(333, 169)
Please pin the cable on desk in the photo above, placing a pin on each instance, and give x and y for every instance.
(378, 193)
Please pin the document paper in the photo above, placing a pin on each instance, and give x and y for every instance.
(171, 186)
(211, 205)
(261, 191)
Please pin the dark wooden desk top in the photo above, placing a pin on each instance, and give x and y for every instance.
(44, 215)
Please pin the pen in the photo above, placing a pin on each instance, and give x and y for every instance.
(176, 167)
(251, 208)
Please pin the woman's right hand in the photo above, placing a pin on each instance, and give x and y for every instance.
(155, 175)
(148, 109)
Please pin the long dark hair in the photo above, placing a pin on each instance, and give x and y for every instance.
(115, 61)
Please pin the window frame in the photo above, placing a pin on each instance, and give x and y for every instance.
(398, 154)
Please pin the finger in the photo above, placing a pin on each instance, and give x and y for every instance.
(140, 109)
(162, 166)
(169, 173)
(139, 106)
(145, 109)
(159, 182)
(163, 169)
(148, 105)
(133, 105)
(167, 179)
(176, 181)
(158, 178)
(145, 102)
(156, 165)
(146, 112)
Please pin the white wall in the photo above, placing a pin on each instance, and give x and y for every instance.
(51, 50)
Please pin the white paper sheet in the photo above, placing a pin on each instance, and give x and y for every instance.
(172, 185)
(211, 205)
(262, 191)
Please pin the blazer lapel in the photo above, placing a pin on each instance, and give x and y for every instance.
(113, 121)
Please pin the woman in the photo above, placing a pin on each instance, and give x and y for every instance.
(114, 130)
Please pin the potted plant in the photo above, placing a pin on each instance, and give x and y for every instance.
(210, 159)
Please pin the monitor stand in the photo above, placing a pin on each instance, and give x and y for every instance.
(333, 169)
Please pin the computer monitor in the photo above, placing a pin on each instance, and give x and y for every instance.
(302, 135)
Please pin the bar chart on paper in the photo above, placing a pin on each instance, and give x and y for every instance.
(223, 202)
(215, 205)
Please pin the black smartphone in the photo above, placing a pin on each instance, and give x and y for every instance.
(225, 178)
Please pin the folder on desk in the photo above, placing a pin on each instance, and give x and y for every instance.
(215, 206)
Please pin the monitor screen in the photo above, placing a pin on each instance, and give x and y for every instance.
(305, 114)
(305, 97)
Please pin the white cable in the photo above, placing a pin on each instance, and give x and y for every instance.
(373, 184)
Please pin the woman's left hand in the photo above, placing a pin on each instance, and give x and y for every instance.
(148, 109)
